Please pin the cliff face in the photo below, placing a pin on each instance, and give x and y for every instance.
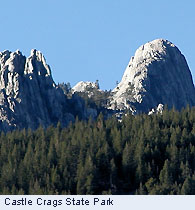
(28, 95)
(157, 74)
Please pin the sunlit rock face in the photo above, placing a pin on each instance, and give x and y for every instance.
(28, 95)
(84, 86)
(157, 74)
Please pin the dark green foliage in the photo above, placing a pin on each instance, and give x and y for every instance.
(66, 87)
(140, 155)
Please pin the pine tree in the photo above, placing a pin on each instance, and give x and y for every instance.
(166, 178)
(187, 187)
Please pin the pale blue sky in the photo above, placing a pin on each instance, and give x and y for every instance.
(94, 39)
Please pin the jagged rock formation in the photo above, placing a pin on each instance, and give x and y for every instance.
(28, 95)
(157, 74)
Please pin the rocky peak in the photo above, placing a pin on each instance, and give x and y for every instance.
(28, 95)
(157, 74)
(85, 86)
(4, 55)
(36, 62)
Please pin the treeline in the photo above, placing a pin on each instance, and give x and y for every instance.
(140, 155)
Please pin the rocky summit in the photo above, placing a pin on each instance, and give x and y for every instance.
(84, 86)
(157, 74)
(28, 95)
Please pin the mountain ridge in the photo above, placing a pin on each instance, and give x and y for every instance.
(157, 75)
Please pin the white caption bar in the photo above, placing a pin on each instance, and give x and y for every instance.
(116, 202)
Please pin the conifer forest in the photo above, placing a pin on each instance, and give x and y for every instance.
(141, 154)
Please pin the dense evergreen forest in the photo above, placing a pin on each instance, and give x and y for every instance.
(138, 155)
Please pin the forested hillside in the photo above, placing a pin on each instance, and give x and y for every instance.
(140, 155)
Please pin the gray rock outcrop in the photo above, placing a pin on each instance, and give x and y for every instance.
(157, 74)
(84, 86)
(28, 95)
